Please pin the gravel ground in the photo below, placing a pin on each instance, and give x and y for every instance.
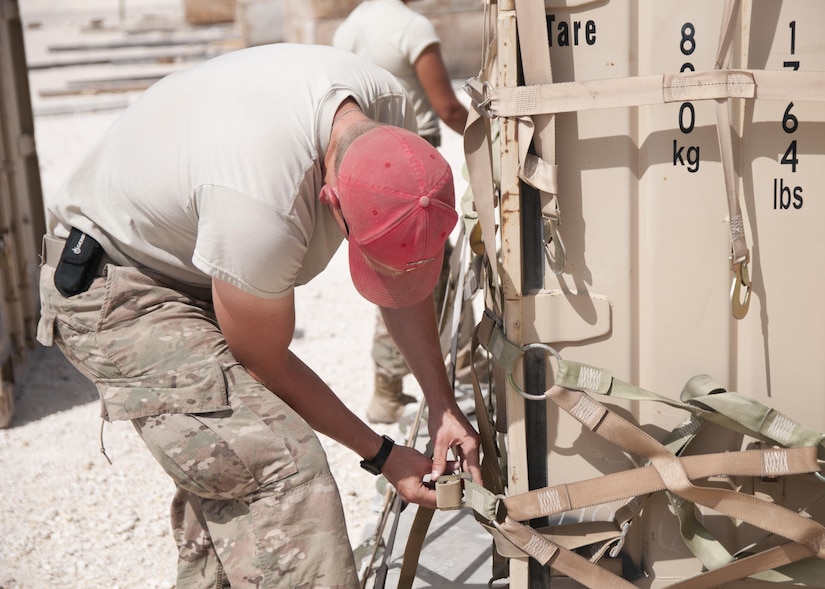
(67, 517)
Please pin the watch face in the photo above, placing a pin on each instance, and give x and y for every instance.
(370, 467)
(375, 465)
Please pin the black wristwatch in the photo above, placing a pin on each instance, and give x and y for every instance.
(375, 465)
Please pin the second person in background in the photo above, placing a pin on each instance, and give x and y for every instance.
(405, 43)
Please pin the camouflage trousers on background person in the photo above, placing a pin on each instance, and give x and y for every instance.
(386, 357)
(256, 505)
(389, 367)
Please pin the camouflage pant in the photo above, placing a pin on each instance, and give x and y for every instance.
(256, 505)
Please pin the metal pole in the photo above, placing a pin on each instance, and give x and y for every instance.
(535, 412)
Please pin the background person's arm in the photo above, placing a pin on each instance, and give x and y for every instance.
(432, 73)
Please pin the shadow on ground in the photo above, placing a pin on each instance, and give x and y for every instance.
(52, 385)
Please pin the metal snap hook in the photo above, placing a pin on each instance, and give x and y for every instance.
(741, 278)
(552, 241)
(480, 98)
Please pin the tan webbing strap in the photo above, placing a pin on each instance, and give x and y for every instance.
(789, 85)
(703, 398)
(415, 542)
(480, 169)
(708, 401)
(597, 380)
(524, 101)
(809, 572)
(580, 569)
(539, 170)
(697, 538)
(772, 462)
(505, 355)
(759, 420)
(527, 541)
(646, 479)
(532, 543)
(746, 567)
(665, 471)
(493, 478)
(612, 427)
(569, 536)
(713, 555)
(739, 255)
(477, 152)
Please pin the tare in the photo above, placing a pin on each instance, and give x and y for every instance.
(565, 34)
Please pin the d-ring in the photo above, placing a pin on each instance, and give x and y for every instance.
(517, 388)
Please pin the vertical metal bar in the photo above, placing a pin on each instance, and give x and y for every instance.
(535, 412)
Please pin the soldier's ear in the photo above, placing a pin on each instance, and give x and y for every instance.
(329, 196)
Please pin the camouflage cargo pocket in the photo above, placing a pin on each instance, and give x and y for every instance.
(197, 388)
(256, 447)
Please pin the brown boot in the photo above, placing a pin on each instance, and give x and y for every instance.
(388, 400)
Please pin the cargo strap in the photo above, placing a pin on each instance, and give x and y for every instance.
(539, 169)
(528, 101)
(532, 107)
(665, 471)
(740, 255)
(536, 102)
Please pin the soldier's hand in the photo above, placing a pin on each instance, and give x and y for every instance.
(405, 469)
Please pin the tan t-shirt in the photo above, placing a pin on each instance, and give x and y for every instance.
(215, 171)
(391, 35)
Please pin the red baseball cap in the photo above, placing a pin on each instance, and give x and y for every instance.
(397, 196)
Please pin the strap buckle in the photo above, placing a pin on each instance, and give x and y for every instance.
(459, 491)
(449, 491)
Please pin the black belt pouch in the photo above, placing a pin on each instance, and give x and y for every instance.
(78, 264)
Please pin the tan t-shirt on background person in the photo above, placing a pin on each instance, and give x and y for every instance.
(404, 34)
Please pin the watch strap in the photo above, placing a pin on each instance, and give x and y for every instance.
(375, 465)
